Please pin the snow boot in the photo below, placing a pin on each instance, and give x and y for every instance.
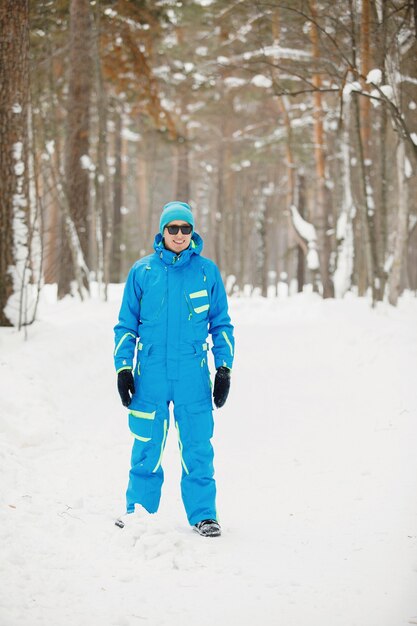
(121, 520)
(208, 528)
(130, 516)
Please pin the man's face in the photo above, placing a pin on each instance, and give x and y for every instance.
(179, 242)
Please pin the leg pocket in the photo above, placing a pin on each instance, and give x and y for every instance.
(142, 419)
(199, 422)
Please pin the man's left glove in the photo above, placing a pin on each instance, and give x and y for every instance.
(125, 383)
(221, 386)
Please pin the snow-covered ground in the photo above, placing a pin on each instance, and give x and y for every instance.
(316, 469)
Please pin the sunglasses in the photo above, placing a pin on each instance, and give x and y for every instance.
(186, 229)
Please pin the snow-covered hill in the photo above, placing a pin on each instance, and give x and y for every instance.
(316, 469)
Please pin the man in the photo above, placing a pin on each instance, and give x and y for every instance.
(172, 299)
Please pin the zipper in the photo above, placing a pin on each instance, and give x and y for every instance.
(189, 307)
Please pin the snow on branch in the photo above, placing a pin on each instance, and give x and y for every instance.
(307, 231)
(261, 81)
(304, 228)
(275, 51)
(374, 76)
(290, 54)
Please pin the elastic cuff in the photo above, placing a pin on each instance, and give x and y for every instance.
(126, 367)
(223, 364)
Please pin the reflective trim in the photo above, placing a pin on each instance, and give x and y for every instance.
(227, 340)
(205, 346)
(122, 340)
(145, 439)
(138, 368)
(180, 446)
(200, 309)
(199, 294)
(162, 446)
(143, 414)
(140, 346)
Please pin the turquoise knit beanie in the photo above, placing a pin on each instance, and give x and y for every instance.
(175, 211)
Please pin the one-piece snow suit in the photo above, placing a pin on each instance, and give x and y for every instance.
(170, 304)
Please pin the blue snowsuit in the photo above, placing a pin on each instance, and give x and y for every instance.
(170, 303)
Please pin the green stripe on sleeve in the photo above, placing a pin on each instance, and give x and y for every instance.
(227, 340)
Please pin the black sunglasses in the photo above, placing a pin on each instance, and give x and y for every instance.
(186, 229)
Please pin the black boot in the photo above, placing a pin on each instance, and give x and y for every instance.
(208, 528)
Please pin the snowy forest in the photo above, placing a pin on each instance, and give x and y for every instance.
(289, 126)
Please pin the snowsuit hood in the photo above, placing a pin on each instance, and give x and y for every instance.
(169, 257)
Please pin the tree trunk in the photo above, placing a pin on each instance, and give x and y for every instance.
(218, 219)
(183, 174)
(116, 261)
(239, 234)
(322, 199)
(229, 203)
(14, 200)
(51, 236)
(363, 243)
(402, 228)
(50, 132)
(291, 168)
(299, 245)
(284, 108)
(144, 209)
(412, 257)
(102, 169)
(366, 154)
(381, 216)
(344, 232)
(301, 263)
(262, 250)
(77, 143)
(365, 103)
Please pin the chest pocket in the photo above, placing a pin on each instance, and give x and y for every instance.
(197, 295)
(199, 301)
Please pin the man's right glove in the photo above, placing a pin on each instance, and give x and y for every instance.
(125, 383)
(221, 386)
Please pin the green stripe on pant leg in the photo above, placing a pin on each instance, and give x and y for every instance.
(181, 446)
(162, 447)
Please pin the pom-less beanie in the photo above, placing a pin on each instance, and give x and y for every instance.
(175, 211)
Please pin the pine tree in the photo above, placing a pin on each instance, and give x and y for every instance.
(14, 198)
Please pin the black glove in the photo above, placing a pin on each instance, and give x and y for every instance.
(221, 386)
(125, 384)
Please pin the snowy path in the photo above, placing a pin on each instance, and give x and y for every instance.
(315, 464)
